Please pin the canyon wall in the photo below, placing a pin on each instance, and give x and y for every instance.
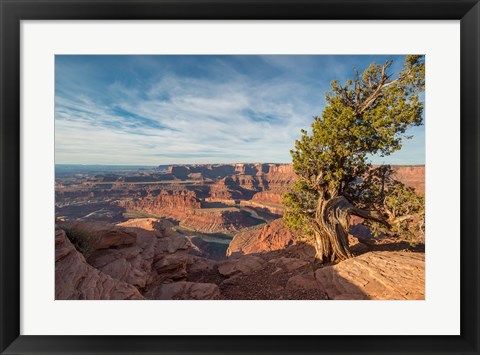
(206, 204)
(185, 207)
(412, 176)
(273, 236)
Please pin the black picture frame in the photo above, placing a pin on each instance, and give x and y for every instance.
(12, 12)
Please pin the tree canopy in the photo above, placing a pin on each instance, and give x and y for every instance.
(368, 115)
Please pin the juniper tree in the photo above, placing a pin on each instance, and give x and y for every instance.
(368, 115)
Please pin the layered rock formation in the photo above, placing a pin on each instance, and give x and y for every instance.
(269, 197)
(186, 192)
(220, 171)
(185, 207)
(228, 191)
(76, 279)
(165, 202)
(273, 236)
(158, 259)
(412, 176)
(156, 264)
(150, 257)
(153, 264)
(208, 171)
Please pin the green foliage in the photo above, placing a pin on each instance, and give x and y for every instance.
(405, 209)
(406, 203)
(83, 241)
(368, 115)
(301, 202)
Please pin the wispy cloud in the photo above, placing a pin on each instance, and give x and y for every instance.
(149, 110)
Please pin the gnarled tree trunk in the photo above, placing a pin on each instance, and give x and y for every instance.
(332, 227)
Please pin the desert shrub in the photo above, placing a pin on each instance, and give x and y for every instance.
(83, 240)
(367, 116)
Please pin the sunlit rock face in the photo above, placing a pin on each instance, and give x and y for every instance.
(412, 176)
(212, 232)
(273, 236)
(75, 279)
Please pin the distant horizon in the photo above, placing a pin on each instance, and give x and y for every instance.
(153, 109)
(187, 164)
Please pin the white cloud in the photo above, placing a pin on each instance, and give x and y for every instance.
(224, 121)
(165, 118)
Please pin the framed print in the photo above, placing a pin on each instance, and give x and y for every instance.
(238, 177)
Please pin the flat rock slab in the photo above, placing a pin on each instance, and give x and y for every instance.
(374, 275)
(244, 265)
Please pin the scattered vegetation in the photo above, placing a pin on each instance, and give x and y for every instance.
(405, 209)
(83, 241)
(138, 214)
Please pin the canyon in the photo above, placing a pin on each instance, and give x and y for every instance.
(210, 231)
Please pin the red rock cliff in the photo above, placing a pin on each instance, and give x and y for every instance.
(273, 236)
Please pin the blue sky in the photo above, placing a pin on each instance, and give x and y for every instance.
(152, 110)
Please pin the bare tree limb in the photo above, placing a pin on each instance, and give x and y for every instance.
(401, 219)
(383, 83)
(371, 215)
